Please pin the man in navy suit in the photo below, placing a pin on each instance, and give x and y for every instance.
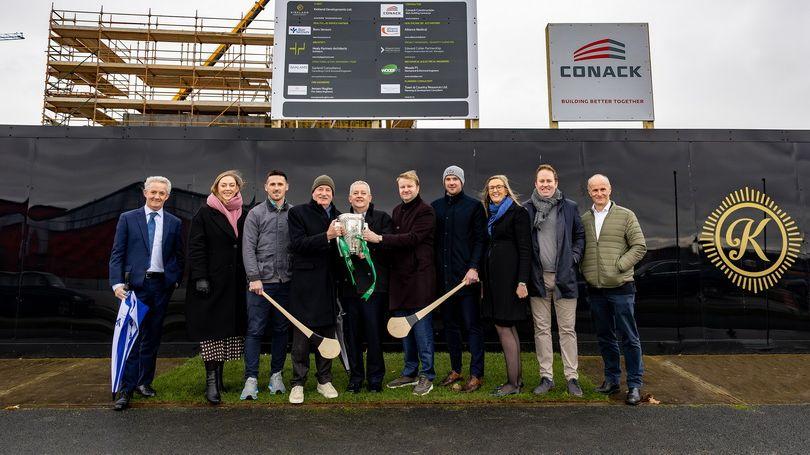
(146, 258)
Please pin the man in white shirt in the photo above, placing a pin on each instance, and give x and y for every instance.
(614, 244)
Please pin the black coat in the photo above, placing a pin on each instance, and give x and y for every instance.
(215, 253)
(461, 233)
(506, 263)
(413, 273)
(313, 293)
(570, 247)
(379, 222)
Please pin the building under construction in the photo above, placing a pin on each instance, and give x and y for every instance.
(147, 69)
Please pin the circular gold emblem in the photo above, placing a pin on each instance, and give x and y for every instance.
(737, 228)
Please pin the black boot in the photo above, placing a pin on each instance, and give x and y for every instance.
(211, 392)
(220, 378)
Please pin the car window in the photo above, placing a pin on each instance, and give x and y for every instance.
(34, 279)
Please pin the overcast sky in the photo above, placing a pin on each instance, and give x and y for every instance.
(715, 64)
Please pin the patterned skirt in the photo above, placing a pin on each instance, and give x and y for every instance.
(222, 350)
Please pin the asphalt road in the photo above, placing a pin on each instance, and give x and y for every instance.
(505, 429)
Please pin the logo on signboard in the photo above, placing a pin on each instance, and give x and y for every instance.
(733, 239)
(389, 69)
(298, 68)
(299, 30)
(603, 48)
(389, 89)
(392, 10)
(300, 11)
(296, 90)
(389, 30)
(296, 49)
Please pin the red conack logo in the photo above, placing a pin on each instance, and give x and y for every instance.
(599, 49)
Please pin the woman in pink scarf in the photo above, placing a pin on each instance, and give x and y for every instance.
(215, 298)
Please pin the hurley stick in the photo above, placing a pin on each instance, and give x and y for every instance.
(329, 347)
(399, 327)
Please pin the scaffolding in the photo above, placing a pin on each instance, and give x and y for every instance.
(122, 69)
(148, 69)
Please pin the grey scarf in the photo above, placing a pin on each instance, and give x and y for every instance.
(543, 206)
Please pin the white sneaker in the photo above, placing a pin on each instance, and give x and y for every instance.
(277, 384)
(297, 394)
(327, 390)
(251, 390)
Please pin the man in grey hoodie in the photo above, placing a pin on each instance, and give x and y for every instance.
(265, 242)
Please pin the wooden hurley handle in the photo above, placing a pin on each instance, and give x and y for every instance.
(304, 329)
(424, 311)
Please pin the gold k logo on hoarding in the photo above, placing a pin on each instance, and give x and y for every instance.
(739, 224)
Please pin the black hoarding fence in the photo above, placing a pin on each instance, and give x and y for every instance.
(64, 188)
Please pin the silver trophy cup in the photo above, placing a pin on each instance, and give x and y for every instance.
(352, 224)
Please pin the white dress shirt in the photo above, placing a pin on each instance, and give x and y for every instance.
(156, 261)
(599, 217)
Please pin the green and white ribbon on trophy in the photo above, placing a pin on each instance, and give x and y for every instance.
(352, 242)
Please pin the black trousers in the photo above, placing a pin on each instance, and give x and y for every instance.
(301, 347)
(363, 321)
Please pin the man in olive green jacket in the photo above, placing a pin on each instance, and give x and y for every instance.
(614, 244)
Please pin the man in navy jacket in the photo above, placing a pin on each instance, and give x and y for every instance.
(147, 258)
(460, 238)
(558, 242)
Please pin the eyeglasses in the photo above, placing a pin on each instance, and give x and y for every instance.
(496, 187)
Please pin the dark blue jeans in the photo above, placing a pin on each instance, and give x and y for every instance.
(363, 321)
(611, 313)
(418, 347)
(259, 313)
(464, 310)
(140, 366)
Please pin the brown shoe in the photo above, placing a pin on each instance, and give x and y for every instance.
(473, 384)
(452, 377)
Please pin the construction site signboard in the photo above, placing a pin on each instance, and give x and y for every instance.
(599, 72)
(375, 60)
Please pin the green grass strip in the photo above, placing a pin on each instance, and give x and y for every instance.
(186, 383)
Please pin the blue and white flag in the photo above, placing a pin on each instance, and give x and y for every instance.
(130, 315)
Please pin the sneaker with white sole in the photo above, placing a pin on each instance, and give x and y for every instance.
(327, 390)
(277, 384)
(423, 386)
(251, 390)
(297, 394)
(401, 381)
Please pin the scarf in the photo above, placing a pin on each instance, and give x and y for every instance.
(496, 212)
(232, 211)
(543, 206)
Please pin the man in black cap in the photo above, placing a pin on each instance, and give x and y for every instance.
(313, 291)
(460, 238)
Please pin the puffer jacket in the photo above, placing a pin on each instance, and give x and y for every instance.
(608, 262)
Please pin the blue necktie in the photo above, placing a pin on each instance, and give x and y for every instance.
(150, 229)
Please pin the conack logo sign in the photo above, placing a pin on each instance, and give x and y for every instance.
(602, 49)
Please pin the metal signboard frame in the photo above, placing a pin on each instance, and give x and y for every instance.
(599, 72)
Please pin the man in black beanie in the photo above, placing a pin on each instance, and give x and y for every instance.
(460, 239)
(313, 291)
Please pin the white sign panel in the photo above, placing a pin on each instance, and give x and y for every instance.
(599, 72)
